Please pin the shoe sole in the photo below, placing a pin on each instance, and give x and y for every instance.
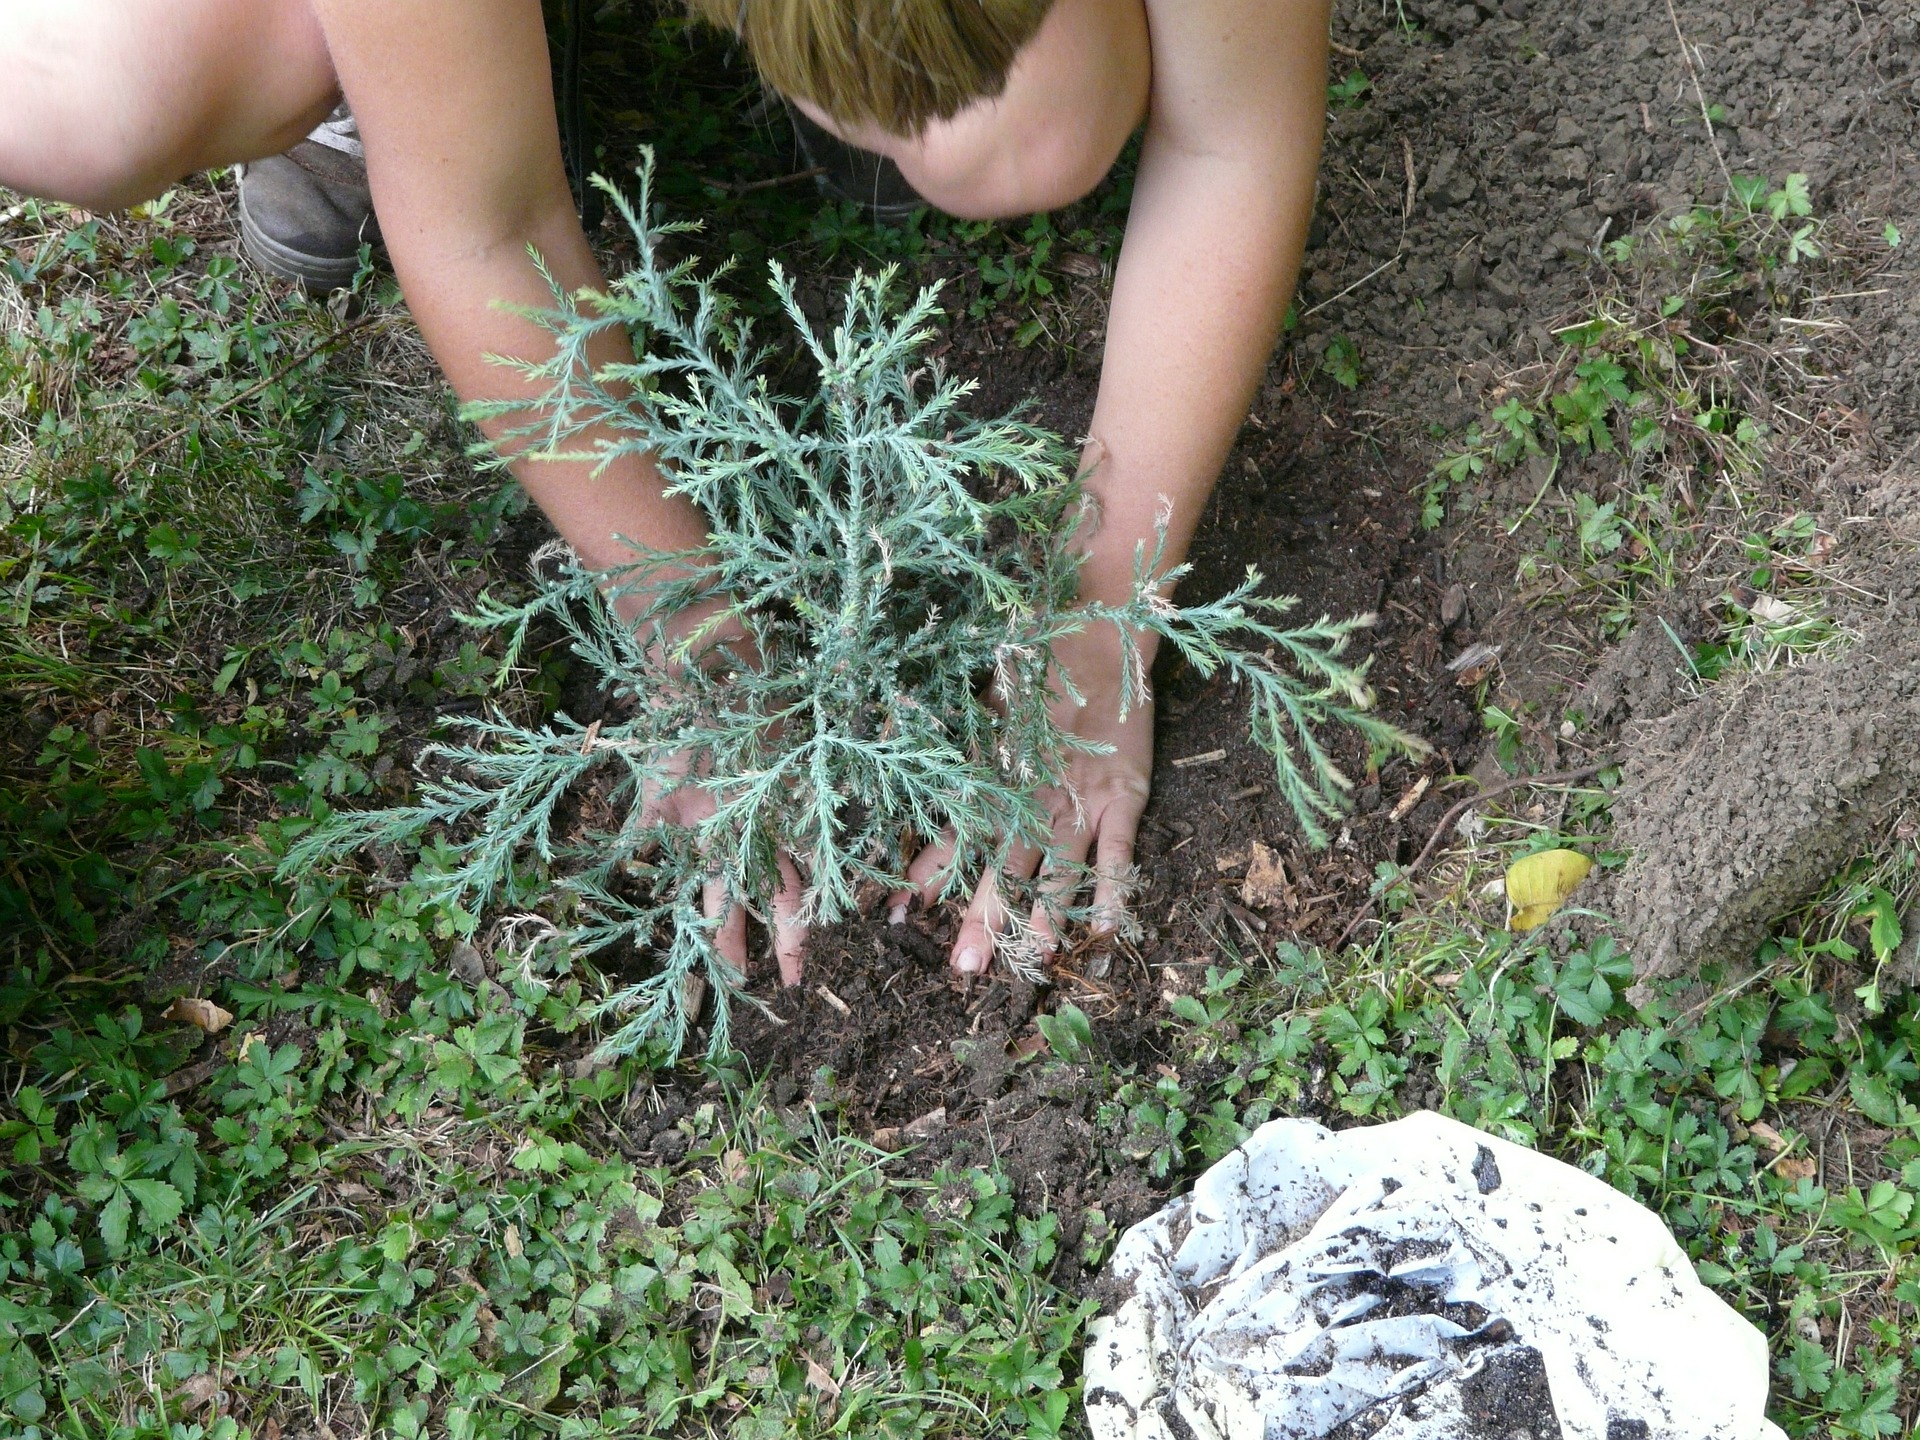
(316, 272)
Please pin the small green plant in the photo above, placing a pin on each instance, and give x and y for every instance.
(894, 578)
(1342, 362)
(1642, 375)
(1349, 93)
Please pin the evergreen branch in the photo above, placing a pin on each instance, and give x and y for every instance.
(902, 574)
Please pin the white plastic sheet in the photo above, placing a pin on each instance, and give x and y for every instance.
(1413, 1281)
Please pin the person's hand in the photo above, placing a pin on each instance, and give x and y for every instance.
(678, 799)
(1112, 790)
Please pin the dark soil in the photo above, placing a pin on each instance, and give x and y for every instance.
(1493, 151)
(1459, 212)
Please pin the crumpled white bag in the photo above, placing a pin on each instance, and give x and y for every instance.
(1413, 1281)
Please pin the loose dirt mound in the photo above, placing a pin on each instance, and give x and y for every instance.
(1464, 204)
(1738, 807)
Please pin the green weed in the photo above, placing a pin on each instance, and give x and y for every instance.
(1646, 382)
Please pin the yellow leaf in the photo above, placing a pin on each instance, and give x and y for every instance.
(1539, 884)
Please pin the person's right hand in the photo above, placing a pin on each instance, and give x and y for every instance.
(1094, 818)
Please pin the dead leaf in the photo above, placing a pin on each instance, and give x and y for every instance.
(819, 1378)
(1771, 610)
(201, 1014)
(887, 1137)
(1474, 659)
(467, 963)
(1539, 884)
(247, 1042)
(1768, 1136)
(1266, 883)
(931, 1123)
(1028, 1046)
(1797, 1167)
(199, 1392)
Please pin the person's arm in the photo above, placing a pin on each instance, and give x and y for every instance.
(1219, 221)
(455, 106)
(454, 100)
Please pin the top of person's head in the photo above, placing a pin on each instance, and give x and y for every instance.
(898, 64)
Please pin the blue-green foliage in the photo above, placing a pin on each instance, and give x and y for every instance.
(884, 586)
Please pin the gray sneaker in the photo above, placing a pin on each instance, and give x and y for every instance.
(304, 215)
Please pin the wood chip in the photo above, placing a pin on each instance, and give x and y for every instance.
(1208, 757)
(1266, 884)
(1231, 861)
(201, 1014)
(1404, 805)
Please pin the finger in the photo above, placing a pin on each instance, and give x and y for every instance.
(730, 939)
(1072, 839)
(666, 799)
(1113, 862)
(789, 930)
(987, 914)
(926, 877)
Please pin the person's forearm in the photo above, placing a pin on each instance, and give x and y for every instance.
(456, 300)
(1212, 251)
(1193, 324)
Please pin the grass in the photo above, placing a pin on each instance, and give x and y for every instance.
(386, 1201)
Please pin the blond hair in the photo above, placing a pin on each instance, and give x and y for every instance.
(898, 64)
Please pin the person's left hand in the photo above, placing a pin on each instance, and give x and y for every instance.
(1112, 790)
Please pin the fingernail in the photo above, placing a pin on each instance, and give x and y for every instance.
(897, 915)
(970, 962)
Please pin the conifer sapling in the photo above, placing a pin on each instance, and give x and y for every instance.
(890, 577)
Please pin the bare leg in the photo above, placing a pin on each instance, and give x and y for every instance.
(107, 102)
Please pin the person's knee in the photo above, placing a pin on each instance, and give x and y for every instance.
(101, 174)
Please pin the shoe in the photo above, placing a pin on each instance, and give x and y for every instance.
(850, 173)
(304, 215)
